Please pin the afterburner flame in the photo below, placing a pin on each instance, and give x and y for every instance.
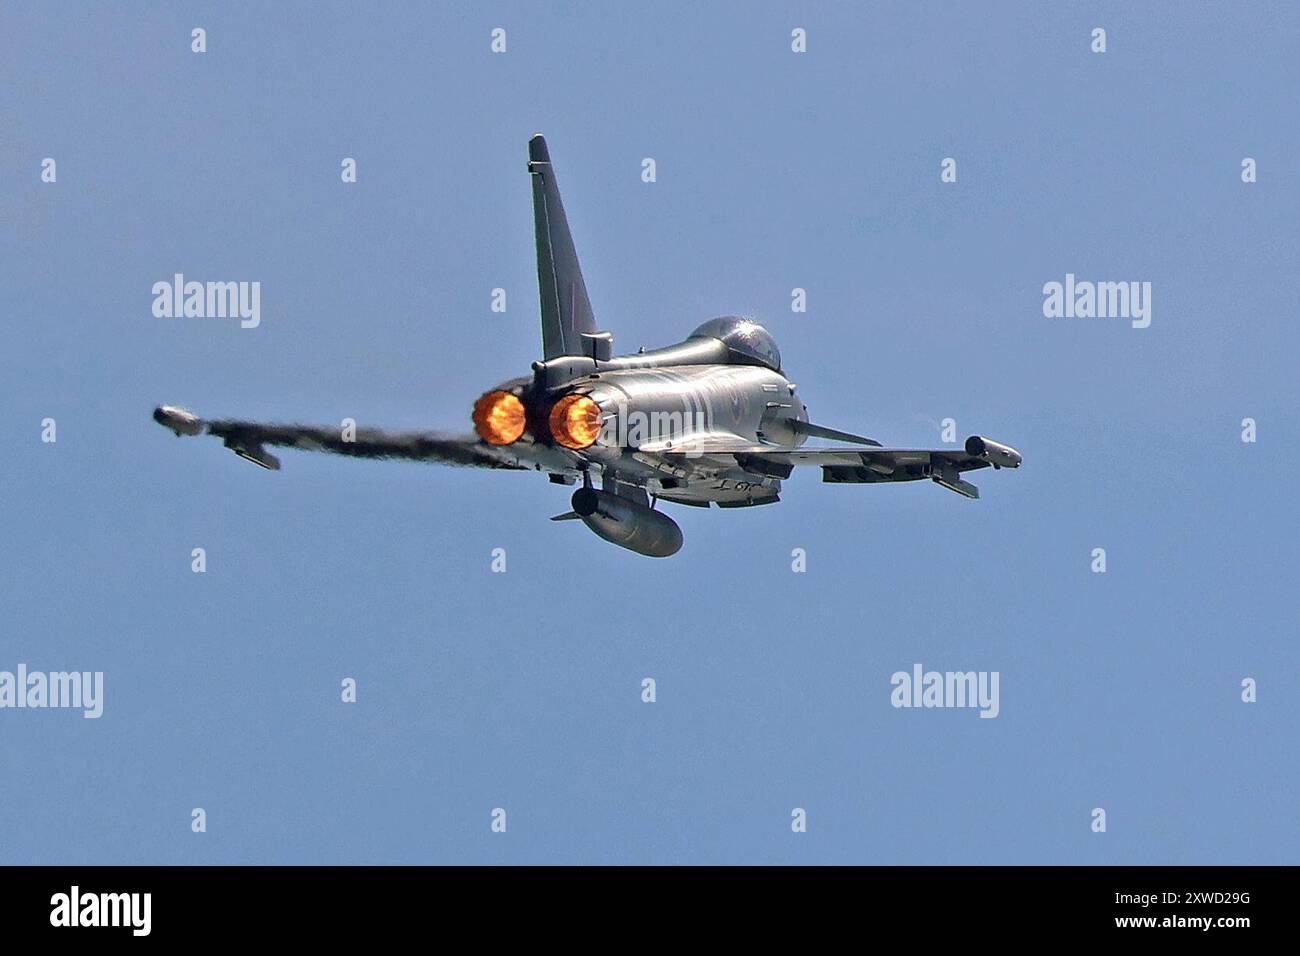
(575, 421)
(499, 418)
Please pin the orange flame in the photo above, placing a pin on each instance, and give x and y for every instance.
(499, 418)
(575, 421)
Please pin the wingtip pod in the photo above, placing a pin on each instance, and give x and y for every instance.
(995, 453)
(179, 420)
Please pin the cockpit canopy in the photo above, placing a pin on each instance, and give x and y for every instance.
(744, 337)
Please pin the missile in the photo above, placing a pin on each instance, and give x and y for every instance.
(179, 420)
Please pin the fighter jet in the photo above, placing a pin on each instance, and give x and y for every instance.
(712, 420)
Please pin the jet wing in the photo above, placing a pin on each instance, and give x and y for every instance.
(853, 455)
(855, 464)
(248, 440)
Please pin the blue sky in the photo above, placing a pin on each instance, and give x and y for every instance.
(522, 690)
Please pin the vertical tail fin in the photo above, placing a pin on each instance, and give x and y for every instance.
(566, 310)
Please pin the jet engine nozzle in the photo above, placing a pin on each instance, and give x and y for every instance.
(575, 422)
(995, 453)
(627, 523)
(499, 417)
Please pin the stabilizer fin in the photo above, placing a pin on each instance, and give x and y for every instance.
(566, 310)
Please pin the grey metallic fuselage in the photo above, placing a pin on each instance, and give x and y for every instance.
(658, 409)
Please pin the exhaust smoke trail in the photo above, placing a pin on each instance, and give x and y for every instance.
(444, 448)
